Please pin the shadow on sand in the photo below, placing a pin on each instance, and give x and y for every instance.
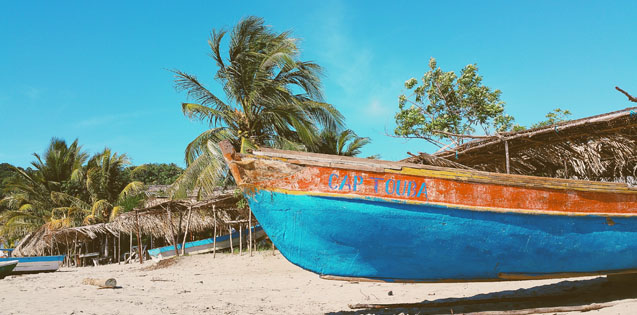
(565, 296)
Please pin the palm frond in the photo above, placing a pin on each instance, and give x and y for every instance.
(206, 172)
(196, 91)
(132, 189)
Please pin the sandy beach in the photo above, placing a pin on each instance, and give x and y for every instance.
(269, 284)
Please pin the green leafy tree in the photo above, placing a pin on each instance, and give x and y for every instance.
(6, 172)
(110, 191)
(447, 106)
(35, 198)
(58, 163)
(345, 143)
(42, 198)
(553, 117)
(272, 97)
(155, 173)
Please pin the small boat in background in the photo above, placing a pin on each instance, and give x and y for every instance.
(6, 267)
(206, 245)
(35, 264)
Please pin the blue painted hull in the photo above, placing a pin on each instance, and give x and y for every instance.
(204, 245)
(393, 241)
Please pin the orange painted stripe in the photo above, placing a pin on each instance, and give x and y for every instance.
(445, 191)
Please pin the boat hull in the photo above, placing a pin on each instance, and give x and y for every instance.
(345, 217)
(390, 240)
(36, 264)
(6, 267)
(204, 246)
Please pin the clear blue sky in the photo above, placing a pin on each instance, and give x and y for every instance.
(99, 72)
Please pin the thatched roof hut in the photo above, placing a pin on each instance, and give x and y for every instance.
(152, 220)
(600, 148)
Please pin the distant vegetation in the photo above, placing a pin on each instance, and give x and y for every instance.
(154, 173)
(6, 171)
(66, 187)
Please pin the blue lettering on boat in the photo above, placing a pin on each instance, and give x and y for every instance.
(423, 188)
(345, 182)
(409, 189)
(376, 179)
(358, 180)
(330, 181)
(398, 187)
(393, 188)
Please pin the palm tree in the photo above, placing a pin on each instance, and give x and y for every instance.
(58, 163)
(28, 205)
(109, 191)
(35, 200)
(345, 143)
(33, 196)
(272, 98)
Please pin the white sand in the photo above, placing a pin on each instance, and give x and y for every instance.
(233, 284)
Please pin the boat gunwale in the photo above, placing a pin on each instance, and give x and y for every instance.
(381, 166)
(251, 188)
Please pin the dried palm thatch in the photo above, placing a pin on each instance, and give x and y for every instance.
(600, 148)
(152, 220)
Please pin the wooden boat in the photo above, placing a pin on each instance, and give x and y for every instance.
(6, 267)
(206, 245)
(36, 264)
(345, 218)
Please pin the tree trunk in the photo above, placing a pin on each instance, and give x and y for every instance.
(102, 283)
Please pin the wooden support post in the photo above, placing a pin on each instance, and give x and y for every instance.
(86, 250)
(119, 246)
(75, 254)
(250, 230)
(214, 235)
(139, 239)
(183, 244)
(506, 150)
(172, 229)
(106, 246)
(240, 240)
(230, 235)
(130, 247)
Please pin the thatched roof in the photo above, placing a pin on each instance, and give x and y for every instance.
(153, 220)
(602, 148)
